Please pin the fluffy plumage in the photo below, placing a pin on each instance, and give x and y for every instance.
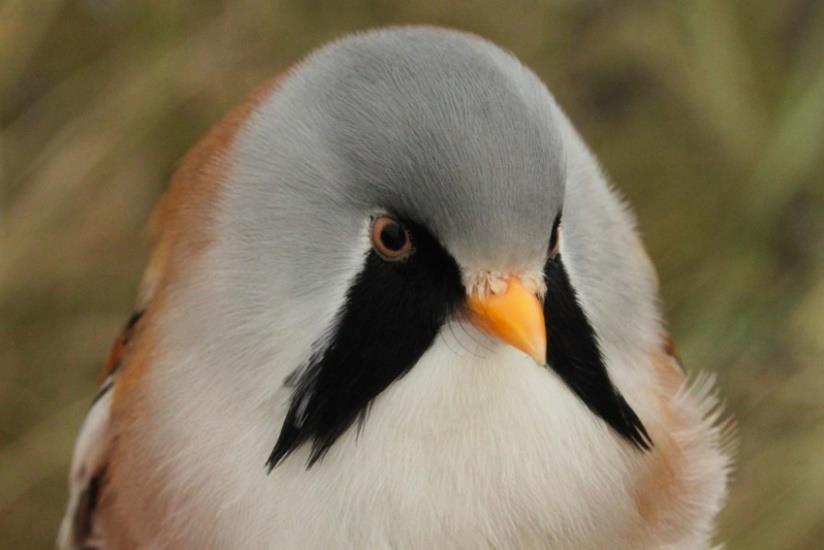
(272, 333)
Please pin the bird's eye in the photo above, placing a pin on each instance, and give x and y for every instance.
(555, 238)
(390, 239)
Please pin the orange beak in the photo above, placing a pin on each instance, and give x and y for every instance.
(514, 316)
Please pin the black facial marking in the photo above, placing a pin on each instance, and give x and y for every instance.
(553, 238)
(392, 314)
(573, 353)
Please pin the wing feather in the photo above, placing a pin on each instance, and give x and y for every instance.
(78, 529)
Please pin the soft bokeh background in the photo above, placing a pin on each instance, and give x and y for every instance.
(708, 114)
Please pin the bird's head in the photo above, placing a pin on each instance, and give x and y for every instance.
(401, 180)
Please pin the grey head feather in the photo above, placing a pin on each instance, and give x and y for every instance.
(452, 132)
(440, 126)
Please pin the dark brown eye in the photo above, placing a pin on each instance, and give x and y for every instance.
(391, 239)
(555, 238)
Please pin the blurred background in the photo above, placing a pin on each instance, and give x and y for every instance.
(708, 114)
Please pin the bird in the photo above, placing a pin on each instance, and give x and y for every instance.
(394, 302)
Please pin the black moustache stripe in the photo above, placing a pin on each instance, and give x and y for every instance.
(573, 353)
(392, 314)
